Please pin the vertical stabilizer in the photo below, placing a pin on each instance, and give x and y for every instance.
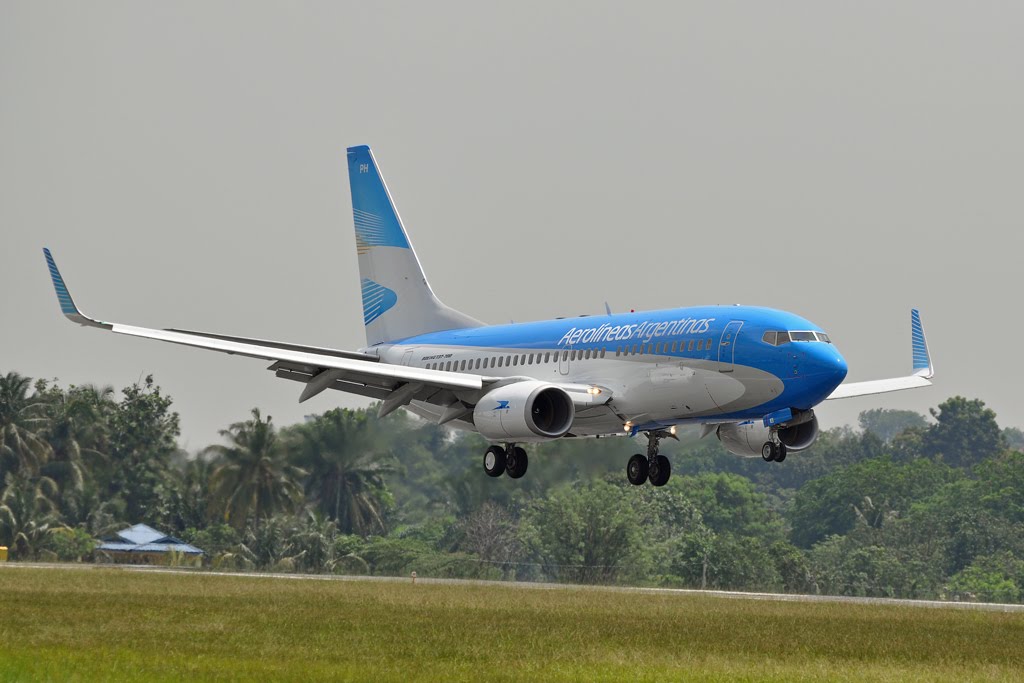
(397, 301)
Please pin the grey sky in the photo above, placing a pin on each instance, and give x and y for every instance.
(186, 164)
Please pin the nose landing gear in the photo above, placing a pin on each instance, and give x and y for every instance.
(653, 467)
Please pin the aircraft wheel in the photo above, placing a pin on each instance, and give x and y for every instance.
(781, 455)
(636, 470)
(769, 451)
(661, 471)
(516, 462)
(494, 461)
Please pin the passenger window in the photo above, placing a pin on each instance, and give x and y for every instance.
(522, 359)
(515, 360)
(500, 361)
(602, 352)
(447, 366)
(508, 361)
(707, 345)
(588, 354)
(634, 349)
(531, 359)
(565, 355)
(547, 356)
(463, 368)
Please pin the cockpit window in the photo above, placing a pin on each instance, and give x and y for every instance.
(778, 338)
(775, 338)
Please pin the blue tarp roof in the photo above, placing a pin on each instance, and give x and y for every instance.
(146, 539)
(140, 533)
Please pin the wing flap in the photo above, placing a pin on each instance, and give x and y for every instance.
(362, 368)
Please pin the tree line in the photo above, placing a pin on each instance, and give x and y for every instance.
(904, 506)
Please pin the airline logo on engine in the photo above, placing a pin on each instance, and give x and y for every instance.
(645, 331)
(502, 405)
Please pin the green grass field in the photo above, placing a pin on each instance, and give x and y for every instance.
(58, 624)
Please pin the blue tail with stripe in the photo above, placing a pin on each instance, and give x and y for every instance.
(397, 300)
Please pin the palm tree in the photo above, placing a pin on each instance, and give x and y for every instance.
(77, 433)
(254, 478)
(27, 511)
(21, 417)
(340, 449)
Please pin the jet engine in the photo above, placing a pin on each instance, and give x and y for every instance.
(524, 411)
(747, 438)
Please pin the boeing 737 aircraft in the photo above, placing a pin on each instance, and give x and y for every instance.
(751, 376)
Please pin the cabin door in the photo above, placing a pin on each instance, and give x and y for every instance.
(727, 346)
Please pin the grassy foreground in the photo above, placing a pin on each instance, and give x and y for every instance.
(110, 624)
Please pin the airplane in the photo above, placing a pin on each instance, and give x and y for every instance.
(750, 375)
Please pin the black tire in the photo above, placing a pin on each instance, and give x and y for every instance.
(769, 451)
(661, 471)
(494, 461)
(516, 462)
(781, 455)
(636, 470)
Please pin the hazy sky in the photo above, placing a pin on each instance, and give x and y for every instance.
(186, 164)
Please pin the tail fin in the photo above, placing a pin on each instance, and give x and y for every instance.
(397, 301)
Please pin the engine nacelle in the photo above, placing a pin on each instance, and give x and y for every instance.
(524, 411)
(747, 439)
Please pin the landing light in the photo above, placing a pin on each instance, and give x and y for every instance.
(593, 391)
(627, 427)
(672, 430)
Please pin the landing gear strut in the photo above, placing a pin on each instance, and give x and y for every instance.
(653, 467)
(511, 460)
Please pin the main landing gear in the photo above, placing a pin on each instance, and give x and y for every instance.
(773, 452)
(652, 467)
(510, 460)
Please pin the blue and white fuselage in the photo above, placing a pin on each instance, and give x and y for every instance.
(677, 366)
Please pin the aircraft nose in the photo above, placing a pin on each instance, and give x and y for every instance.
(825, 364)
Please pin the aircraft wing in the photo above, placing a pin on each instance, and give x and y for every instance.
(321, 368)
(923, 370)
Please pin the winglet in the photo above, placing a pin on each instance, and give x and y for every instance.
(67, 304)
(923, 366)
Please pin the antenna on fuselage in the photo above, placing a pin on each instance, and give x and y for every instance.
(607, 308)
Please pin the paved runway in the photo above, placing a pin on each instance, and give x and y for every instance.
(735, 595)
